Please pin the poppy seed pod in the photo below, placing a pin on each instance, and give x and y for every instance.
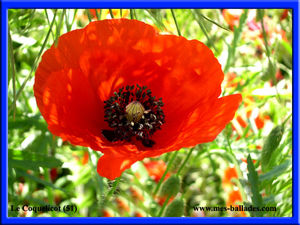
(175, 208)
(171, 186)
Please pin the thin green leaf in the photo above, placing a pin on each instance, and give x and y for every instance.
(276, 171)
(203, 28)
(88, 14)
(176, 23)
(34, 165)
(157, 16)
(111, 13)
(256, 197)
(38, 180)
(210, 20)
(98, 15)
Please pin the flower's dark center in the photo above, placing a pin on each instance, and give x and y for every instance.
(133, 112)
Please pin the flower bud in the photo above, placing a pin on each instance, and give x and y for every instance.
(171, 186)
(270, 145)
(175, 209)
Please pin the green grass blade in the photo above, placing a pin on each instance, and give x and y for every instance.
(98, 14)
(88, 14)
(236, 37)
(165, 173)
(111, 13)
(176, 23)
(58, 28)
(203, 28)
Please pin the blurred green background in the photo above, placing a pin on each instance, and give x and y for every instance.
(249, 163)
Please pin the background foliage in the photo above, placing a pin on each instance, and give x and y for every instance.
(249, 163)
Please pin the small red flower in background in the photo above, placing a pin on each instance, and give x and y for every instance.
(85, 158)
(284, 14)
(231, 82)
(107, 213)
(138, 214)
(250, 112)
(119, 87)
(234, 198)
(232, 17)
(156, 169)
(229, 173)
(161, 199)
(136, 194)
(122, 205)
(53, 174)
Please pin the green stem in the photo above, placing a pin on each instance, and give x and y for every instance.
(203, 28)
(49, 190)
(53, 36)
(208, 19)
(97, 14)
(131, 14)
(164, 206)
(58, 28)
(111, 13)
(185, 161)
(236, 37)
(88, 14)
(237, 167)
(260, 14)
(165, 173)
(97, 180)
(112, 190)
(289, 116)
(174, 18)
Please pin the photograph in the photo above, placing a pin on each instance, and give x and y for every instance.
(150, 112)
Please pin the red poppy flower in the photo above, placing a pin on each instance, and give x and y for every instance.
(97, 88)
